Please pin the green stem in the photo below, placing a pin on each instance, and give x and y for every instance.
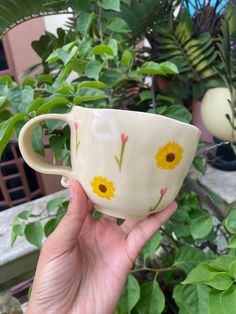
(156, 270)
(120, 161)
(100, 21)
(122, 154)
(157, 204)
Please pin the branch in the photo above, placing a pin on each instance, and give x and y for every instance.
(203, 195)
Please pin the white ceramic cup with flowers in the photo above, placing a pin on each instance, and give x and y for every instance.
(130, 164)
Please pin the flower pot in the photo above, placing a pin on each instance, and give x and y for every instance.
(215, 107)
(223, 158)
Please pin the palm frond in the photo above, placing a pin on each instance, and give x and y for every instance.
(194, 56)
(14, 12)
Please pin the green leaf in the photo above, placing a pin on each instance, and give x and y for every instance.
(146, 95)
(56, 143)
(7, 128)
(25, 214)
(169, 67)
(232, 269)
(55, 203)
(29, 81)
(130, 294)
(214, 302)
(37, 140)
(86, 94)
(50, 226)
(34, 233)
(126, 58)
(199, 163)
(93, 68)
(118, 25)
(201, 227)
(45, 78)
(222, 263)
(151, 246)
(192, 299)
(94, 84)
(103, 50)
(189, 257)
(84, 23)
(13, 238)
(221, 281)
(232, 242)
(36, 104)
(111, 77)
(113, 5)
(201, 274)
(56, 100)
(18, 229)
(228, 300)
(27, 98)
(4, 103)
(5, 115)
(178, 112)
(152, 68)
(113, 44)
(152, 299)
(230, 222)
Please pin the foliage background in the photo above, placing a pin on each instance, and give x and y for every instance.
(189, 266)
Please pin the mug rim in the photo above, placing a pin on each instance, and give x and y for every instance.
(193, 127)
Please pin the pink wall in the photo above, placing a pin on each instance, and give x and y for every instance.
(197, 121)
(20, 56)
(19, 44)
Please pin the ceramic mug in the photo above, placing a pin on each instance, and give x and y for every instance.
(130, 164)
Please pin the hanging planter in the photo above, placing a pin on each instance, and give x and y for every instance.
(214, 111)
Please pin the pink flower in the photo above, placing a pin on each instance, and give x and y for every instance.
(76, 125)
(163, 192)
(124, 138)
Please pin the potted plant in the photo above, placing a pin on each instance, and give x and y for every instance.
(221, 101)
(105, 69)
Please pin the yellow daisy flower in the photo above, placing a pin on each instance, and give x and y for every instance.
(103, 188)
(169, 156)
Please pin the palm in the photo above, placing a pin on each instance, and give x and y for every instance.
(85, 262)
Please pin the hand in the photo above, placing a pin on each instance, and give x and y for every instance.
(84, 263)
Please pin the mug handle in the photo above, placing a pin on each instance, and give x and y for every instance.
(34, 160)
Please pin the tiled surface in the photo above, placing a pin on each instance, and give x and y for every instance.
(21, 246)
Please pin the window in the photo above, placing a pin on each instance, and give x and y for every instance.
(3, 60)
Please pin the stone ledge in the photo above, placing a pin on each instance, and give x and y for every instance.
(21, 246)
(222, 183)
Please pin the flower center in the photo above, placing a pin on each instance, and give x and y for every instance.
(102, 188)
(170, 157)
